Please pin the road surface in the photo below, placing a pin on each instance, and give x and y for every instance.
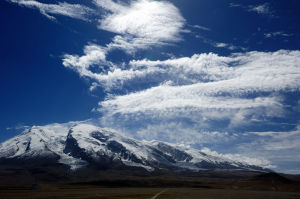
(159, 193)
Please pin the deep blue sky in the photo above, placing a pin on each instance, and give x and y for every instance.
(36, 89)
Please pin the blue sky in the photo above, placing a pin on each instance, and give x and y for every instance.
(222, 76)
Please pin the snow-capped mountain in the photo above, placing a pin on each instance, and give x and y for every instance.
(78, 145)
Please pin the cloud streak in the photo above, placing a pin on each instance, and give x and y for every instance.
(208, 74)
(76, 11)
(168, 98)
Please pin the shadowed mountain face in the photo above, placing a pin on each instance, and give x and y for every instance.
(80, 145)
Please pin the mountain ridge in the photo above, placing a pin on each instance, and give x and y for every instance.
(79, 144)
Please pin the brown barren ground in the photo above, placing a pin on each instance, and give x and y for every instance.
(143, 193)
(20, 182)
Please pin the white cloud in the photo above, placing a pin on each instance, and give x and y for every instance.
(237, 74)
(94, 56)
(141, 24)
(208, 74)
(76, 11)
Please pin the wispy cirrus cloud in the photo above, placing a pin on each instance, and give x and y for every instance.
(180, 99)
(205, 89)
(76, 11)
(238, 73)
